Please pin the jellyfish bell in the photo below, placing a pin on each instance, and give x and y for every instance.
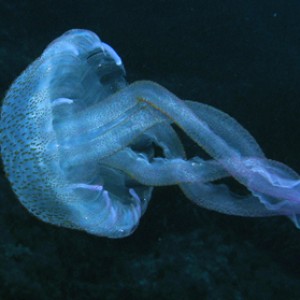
(75, 72)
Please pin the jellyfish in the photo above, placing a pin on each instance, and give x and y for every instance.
(83, 149)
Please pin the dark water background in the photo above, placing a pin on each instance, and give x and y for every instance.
(240, 56)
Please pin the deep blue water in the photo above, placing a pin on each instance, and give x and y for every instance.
(242, 57)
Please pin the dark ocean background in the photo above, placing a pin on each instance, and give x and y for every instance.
(240, 56)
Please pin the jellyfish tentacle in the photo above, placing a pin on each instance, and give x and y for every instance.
(101, 143)
(165, 137)
(231, 158)
(161, 171)
(227, 128)
(219, 198)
